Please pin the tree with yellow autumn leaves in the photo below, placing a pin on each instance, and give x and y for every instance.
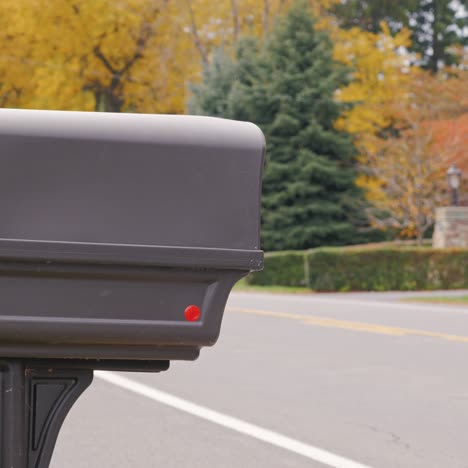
(123, 55)
(109, 56)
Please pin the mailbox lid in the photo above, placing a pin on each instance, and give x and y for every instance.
(182, 181)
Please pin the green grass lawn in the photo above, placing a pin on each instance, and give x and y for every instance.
(243, 286)
(441, 299)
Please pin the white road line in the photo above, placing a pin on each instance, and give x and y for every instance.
(235, 424)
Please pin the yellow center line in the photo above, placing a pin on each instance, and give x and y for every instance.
(349, 325)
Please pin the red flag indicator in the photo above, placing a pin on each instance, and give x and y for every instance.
(192, 313)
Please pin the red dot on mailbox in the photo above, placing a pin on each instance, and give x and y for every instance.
(192, 313)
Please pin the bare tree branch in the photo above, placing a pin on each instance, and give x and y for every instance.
(98, 53)
(235, 19)
(196, 35)
(266, 17)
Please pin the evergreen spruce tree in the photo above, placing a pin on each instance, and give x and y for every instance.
(309, 189)
(226, 82)
(287, 88)
(210, 96)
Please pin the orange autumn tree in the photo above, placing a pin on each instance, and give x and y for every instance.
(406, 167)
(394, 108)
(448, 133)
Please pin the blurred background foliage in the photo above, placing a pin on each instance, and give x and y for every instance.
(364, 103)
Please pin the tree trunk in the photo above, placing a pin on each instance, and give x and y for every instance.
(420, 238)
(107, 101)
(112, 103)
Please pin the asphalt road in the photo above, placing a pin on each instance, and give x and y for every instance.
(364, 377)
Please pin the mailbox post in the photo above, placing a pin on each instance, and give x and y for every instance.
(121, 237)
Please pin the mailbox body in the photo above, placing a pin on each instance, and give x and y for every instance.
(112, 224)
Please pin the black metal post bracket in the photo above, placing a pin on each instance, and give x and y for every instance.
(34, 401)
(36, 396)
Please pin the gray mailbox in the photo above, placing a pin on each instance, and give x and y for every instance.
(121, 235)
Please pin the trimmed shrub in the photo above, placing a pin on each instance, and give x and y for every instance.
(281, 269)
(386, 269)
(449, 269)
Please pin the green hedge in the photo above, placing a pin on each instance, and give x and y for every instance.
(281, 269)
(387, 269)
(366, 268)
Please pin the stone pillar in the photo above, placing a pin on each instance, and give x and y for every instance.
(451, 227)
